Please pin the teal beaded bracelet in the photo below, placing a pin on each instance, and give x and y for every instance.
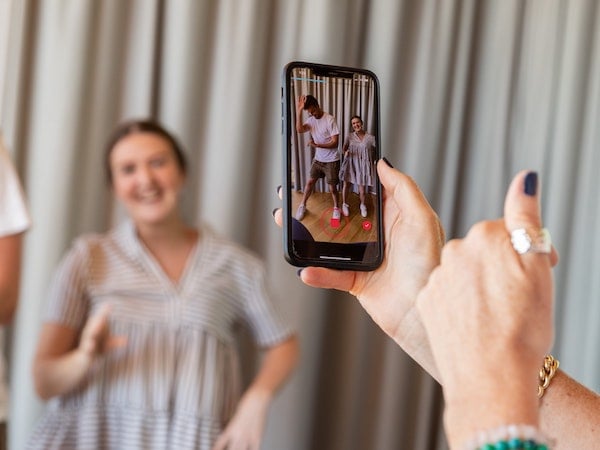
(509, 437)
(515, 444)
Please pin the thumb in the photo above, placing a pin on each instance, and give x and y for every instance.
(402, 188)
(522, 206)
(99, 320)
(409, 200)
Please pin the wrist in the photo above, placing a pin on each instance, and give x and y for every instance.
(490, 398)
(464, 420)
(256, 399)
(510, 436)
(259, 393)
(411, 336)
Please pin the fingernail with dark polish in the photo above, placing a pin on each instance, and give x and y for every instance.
(387, 162)
(299, 273)
(274, 211)
(531, 180)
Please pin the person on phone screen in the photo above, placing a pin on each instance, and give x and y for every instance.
(14, 221)
(324, 133)
(357, 167)
(138, 347)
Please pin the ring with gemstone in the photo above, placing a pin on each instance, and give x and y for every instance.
(526, 240)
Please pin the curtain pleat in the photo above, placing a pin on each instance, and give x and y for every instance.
(471, 92)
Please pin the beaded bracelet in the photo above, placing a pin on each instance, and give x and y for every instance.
(509, 437)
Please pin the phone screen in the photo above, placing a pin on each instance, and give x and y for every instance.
(332, 198)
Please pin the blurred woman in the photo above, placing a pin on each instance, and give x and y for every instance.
(138, 348)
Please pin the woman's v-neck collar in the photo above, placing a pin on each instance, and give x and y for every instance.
(140, 252)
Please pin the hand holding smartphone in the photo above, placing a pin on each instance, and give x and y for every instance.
(332, 205)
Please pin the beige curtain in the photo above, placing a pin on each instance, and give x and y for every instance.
(472, 91)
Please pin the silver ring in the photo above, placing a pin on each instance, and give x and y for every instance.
(531, 240)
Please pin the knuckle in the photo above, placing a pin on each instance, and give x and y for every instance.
(482, 229)
(451, 248)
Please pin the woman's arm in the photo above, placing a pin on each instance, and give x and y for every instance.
(346, 145)
(570, 414)
(61, 362)
(247, 425)
(10, 273)
(278, 363)
(58, 366)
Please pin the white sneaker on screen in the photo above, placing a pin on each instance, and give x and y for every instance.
(345, 209)
(300, 212)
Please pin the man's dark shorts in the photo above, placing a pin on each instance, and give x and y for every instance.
(329, 170)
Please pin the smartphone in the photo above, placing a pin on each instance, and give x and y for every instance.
(332, 204)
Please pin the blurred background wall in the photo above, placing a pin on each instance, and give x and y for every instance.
(472, 92)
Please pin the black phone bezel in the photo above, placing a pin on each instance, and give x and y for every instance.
(325, 254)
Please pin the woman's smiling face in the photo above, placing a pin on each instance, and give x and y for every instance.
(146, 177)
(356, 124)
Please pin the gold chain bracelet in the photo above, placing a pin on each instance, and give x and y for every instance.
(546, 374)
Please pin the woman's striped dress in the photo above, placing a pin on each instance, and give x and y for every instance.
(177, 381)
(357, 168)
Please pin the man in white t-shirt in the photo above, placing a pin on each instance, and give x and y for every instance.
(14, 221)
(324, 133)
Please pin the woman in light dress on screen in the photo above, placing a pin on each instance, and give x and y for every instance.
(357, 167)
